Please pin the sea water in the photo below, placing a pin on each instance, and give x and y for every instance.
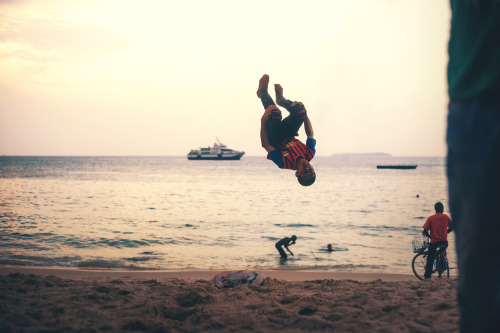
(169, 213)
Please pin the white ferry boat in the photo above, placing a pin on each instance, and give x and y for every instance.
(218, 152)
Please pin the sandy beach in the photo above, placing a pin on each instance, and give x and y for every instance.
(76, 300)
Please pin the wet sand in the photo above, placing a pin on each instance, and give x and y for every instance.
(76, 300)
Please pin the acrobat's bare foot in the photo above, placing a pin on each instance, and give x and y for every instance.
(263, 83)
(279, 94)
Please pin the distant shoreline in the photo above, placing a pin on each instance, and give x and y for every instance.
(362, 155)
(377, 155)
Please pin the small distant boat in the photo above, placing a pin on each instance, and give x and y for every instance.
(218, 152)
(396, 166)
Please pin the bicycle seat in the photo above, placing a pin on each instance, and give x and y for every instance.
(441, 248)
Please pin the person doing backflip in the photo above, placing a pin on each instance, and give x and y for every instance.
(278, 135)
(286, 242)
(439, 226)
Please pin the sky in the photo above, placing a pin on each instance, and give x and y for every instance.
(160, 77)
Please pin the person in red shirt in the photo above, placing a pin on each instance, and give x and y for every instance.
(278, 136)
(439, 225)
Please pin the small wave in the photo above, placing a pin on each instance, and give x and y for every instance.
(21, 260)
(367, 234)
(300, 225)
(26, 246)
(386, 228)
(271, 238)
(20, 235)
(109, 264)
(122, 242)
(147, 253)
(115, 242)
(76, 261)
(360, 211)
(340, 267)
(367, 247)
(140, 259)
(361, 266)
(296, 225)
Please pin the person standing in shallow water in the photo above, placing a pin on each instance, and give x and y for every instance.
(278, 136)
(286, 242)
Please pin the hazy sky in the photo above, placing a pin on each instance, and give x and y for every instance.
(106, 77)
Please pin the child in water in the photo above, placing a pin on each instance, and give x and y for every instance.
(286, 242)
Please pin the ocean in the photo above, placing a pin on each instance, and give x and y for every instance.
(168, 213)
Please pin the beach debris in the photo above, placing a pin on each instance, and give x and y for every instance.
(230, 279)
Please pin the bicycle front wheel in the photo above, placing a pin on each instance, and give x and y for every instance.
(418, 265)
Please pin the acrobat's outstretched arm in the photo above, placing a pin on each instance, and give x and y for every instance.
(263, 134)
(308, 128)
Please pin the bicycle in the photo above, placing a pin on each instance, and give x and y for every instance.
(440, 264)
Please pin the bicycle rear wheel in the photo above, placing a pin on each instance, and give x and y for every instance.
(418, 265)
(443, 269)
